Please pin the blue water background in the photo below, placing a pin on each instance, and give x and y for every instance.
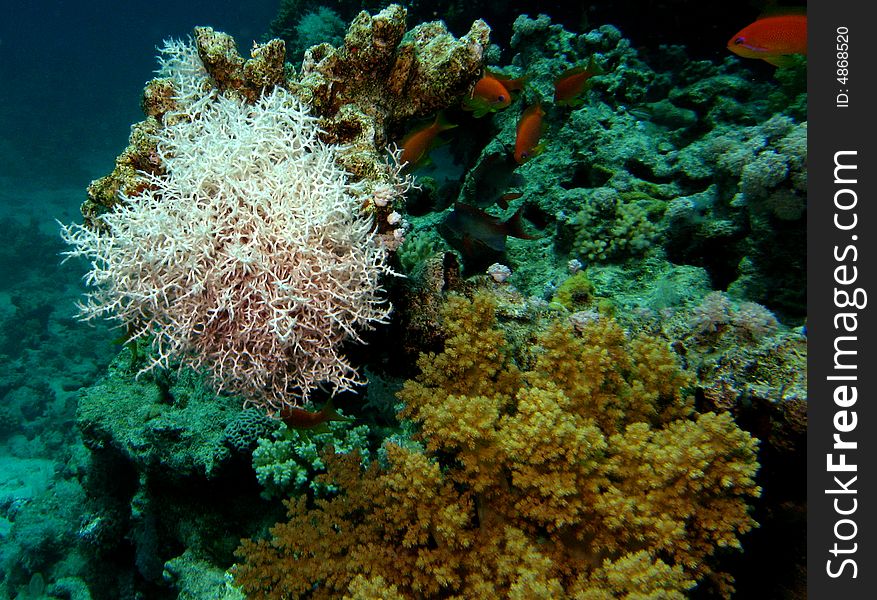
(71, 78)
(72, 73)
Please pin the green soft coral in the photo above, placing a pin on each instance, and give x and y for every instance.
(289, 462)
(580, 470)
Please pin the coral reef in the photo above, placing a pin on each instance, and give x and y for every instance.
(575, 293)
(172, 177)
(747, 363)
(583, 425)
(301, 30)
(43, 529)
(183, 77)
(232, 75)
(169, 479)
(608, 227)
(165, 420)
(680, 161)
(139, 157)
(243, 433)
(758, 189)
(194, 577)
(736, 350)
(581, 470)
(47, 357)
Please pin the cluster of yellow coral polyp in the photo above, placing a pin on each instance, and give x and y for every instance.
(585, 475)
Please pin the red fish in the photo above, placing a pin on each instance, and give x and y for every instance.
(417, 143)
(570, 86)
(299, 418)
(491, 93)
(772, 38)
(530, 128)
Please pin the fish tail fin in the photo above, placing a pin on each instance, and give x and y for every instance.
(514, 226)
(441, 120)
(477, 106)
(330, 413)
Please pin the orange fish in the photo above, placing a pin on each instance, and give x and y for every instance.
(512, 84)
(529, 130)
(417, 144)
(491, 93)
(573, 83)
(773, 39)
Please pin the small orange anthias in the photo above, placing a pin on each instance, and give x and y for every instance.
(530, 129)
(491, 93)
(418, 142)
(571, 85)
(773, 38)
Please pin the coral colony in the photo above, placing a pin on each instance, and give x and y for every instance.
(575, 287)
(247, 255)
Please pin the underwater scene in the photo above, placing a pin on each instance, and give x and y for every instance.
(430, 299)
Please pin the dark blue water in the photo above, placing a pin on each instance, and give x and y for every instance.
(71, 75)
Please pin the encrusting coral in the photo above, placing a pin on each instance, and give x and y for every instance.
(379, 77)
(188, 71)
(382, 75)
(577, 470)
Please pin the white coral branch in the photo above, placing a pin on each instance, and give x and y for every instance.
(248, 257)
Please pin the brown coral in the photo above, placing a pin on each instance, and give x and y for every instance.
(586, 476)
(125, 179)
(233, 75)
(228, 72)
(382, 75)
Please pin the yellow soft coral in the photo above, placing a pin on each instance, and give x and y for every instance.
(634, 576)
(554, 457)
(415, 533)
(677, 489)
(375, 588)
(587, 475)
(462, 391)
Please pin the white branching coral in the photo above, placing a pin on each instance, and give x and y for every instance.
(179, 62)
(248, 257)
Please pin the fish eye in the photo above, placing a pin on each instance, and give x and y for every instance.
(501, 98)
(525, 154)
(739, 40)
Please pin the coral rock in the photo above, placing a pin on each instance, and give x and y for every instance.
(380, 76)
(230, 72)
